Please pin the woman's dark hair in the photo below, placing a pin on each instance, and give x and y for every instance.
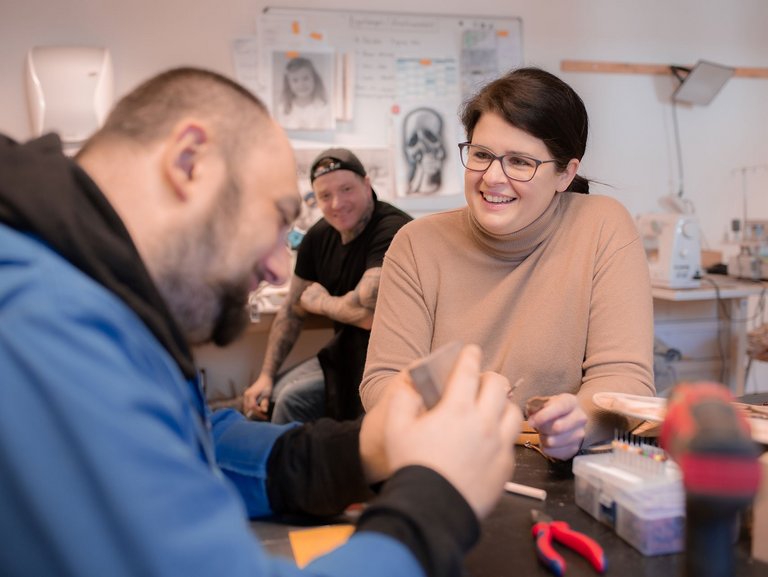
(542, 105)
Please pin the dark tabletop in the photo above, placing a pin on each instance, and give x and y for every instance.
(506, 548)
(755, 399)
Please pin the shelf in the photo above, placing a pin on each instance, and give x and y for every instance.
(637, 68)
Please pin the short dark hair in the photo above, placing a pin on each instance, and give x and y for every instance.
(149, 111)
(542, 105)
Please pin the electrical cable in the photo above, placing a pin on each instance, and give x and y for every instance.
(721, 302)
(759, 311)
(679, 150)
(680, 72)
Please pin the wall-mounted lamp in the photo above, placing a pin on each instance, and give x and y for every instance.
(700, 84)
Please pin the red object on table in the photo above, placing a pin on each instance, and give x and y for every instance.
(545, 530)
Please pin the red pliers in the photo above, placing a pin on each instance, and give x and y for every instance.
(545, 530)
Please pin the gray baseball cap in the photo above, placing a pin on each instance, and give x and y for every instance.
(335, 159)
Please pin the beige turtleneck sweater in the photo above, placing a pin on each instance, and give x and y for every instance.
(564, 303)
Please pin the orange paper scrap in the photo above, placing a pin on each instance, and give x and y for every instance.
(308, 544)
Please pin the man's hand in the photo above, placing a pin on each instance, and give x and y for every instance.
(467, 437)
(561, 426)
(313, 298)
(256, 398)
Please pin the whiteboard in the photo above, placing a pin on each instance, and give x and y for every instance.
(395, 83)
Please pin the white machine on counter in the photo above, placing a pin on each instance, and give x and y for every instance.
(752, 261)
(672, 244)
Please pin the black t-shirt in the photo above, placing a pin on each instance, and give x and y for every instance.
(338, 267)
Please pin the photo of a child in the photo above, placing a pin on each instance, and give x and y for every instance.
(302, 101)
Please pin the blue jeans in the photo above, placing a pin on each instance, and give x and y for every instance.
(299, 394)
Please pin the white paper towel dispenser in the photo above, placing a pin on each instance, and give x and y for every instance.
(70, 90)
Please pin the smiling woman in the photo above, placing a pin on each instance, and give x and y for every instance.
(536, 274)
(516, 166)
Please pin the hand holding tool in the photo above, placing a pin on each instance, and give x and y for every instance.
(534, 405)
(430, 374)
(545, 530)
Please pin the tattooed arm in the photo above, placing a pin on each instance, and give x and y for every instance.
(282, 336)
(354, 308)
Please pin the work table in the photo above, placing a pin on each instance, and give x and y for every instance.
(506, 548)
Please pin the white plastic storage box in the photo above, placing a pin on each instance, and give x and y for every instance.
(644, 503)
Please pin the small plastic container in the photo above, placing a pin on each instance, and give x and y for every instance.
(643, 501)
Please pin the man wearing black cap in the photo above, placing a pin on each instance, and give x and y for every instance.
(337, 275)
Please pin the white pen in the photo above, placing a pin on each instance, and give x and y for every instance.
(525, 490)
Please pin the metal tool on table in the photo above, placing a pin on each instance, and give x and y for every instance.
(710, 440)
(546, 530)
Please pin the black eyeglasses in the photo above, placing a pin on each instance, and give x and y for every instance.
(515, 166)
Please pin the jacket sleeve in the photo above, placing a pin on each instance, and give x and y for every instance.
(312, 469)
(243, 448)
(104, 470)
(316, 468)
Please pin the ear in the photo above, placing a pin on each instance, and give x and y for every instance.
(568, 175)
(184, 149)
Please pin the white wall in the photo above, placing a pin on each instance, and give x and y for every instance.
(631, 148)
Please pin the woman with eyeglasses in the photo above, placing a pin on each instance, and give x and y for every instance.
(550, 281)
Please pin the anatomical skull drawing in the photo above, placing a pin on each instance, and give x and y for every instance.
(424, 150)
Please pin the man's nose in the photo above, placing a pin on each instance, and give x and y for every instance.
(277, 266)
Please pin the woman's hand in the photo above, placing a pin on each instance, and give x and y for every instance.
(561, 426)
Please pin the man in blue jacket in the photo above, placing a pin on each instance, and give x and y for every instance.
(113, 265)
